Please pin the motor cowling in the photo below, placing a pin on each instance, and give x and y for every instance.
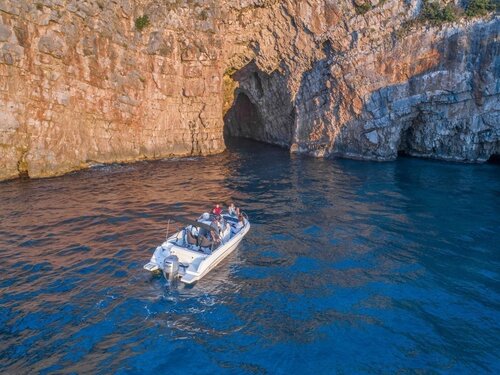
(171, 267)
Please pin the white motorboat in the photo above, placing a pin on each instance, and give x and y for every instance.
(196, 249)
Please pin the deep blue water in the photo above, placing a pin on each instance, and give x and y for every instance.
(350, 267)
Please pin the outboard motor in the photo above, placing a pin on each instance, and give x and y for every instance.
(171, 267)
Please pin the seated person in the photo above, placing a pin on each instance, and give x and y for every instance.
(232, 210)
(192, 235)
(204, 242)
(191, 240)
(239, 225)
(215, 237)
(216, 231)
(217, 210)
(209, 241)
(216, 224)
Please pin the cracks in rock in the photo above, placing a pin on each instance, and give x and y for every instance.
(194, 128)
(258, 84)
(109, 132)
(201, 118)
(294, 25)
(22, 165)
(195, 147)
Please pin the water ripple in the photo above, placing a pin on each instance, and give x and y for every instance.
(350, 267)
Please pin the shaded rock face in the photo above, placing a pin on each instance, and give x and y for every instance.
(243, 120)
(448, 111)
(432, 93)
(256, 92)
(80, 85)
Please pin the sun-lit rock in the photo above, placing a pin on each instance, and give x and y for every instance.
(89, 87)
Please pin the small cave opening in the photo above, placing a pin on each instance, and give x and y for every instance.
(405, 141)
(494, 159)
(243, 120)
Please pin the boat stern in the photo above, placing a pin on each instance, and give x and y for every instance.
(158, 258)
(151, 267)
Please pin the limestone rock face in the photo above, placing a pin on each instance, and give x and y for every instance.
(79, 84)
(367, 87)
(435, 95)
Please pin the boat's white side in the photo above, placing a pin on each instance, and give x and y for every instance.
(211, 261)
(198, 264)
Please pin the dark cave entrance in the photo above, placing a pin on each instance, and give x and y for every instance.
(405, 141)
(494, 159)
(243, 120)
(258, 106)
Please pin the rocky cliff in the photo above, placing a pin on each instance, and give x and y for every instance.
(83, 82)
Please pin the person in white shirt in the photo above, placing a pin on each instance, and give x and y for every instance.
(232, 210)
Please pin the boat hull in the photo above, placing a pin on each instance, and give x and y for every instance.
(194, 264)
(210, 262)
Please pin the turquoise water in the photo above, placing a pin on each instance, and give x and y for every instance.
(350, 267)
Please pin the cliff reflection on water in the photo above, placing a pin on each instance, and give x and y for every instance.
(349, 266)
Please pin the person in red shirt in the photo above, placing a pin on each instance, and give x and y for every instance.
(217, 210)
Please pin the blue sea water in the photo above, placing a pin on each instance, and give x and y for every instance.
(350, 267)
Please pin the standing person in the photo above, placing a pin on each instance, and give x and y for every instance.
(217, 210)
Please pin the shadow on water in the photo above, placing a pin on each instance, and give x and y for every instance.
(349, 267)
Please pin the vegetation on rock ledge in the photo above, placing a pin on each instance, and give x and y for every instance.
(435, 13)
(142, 22)
(363, 8)
(481, 7)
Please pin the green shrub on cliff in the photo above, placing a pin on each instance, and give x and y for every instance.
(142, 22)
(434, 12)
(480, 7)
(363, 8)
